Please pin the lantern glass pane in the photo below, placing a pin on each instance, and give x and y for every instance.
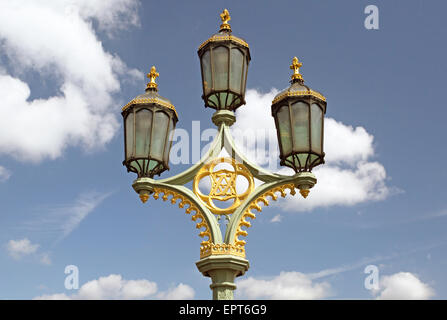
(143, 124)
(316, 116)
(301, 162)
(152, 164)
(284, 130)
(244, 74)
(160, 132)
(230, 99)
(220, 66)
(236, 69)
(313, 158)
(168, 142)
(300, 115)
(223, 99)
(129, 135)
(206, 67)
(213, 100)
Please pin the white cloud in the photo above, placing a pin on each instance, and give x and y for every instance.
(287, 286)
(403, 286)
(45, 259)
(57, 296)
(24, 247)
(111, 15)
(342, 186)
(115, 287)
(349, 176)
(5, 174)
(180, 292)
(20, 248)
(345, 144)
(56, 39)
(74, 214)
(59, 221)
(276, 218)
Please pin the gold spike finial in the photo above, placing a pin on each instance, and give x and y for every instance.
(144, 197)
(225, 16)
(152, 76)
(295, 66)
(304, 192)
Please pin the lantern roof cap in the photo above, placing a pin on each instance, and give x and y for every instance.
(225, 33)
(297, 87)
(151, 96)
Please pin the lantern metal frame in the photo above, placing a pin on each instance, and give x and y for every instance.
(163, 163)
(288, 102)
(287, 99)
(153, 103)
(226, 40)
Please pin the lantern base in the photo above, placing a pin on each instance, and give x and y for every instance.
(223, 117)
(143, 187)
(304, 181)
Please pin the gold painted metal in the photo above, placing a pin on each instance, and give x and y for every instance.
(254, 205)
(144, 197)
(223, 185)
(304, 192)
(191, 207)
(152, 76)
(223, 38)
(220, 249)
(295, 66)
(299, 93)
(225, 17)
(149, 101)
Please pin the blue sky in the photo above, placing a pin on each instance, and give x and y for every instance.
(67, 68)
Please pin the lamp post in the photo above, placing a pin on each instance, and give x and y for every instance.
(149, 120)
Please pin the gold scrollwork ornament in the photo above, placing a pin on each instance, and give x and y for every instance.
(223, 185)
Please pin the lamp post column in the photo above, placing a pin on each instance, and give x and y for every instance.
(223, 269)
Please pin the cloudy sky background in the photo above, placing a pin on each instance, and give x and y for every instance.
(66, 69)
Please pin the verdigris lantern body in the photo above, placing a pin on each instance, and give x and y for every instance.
(299, 118)
(224, 61)
(149, 121)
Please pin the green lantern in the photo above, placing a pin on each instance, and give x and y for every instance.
(299, 117)
(224, 61)
(149, 122)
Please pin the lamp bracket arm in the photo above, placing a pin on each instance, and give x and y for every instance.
(188, 175)
(257, 172)
(259, 195)
(189, 201)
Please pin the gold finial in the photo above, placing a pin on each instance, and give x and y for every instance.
(304, 192)
(295, 66)
(144, 197)
(225, 16)
(152, 76)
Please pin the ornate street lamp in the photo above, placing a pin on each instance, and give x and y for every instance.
(149, 119)
(224, 60)
(299, 117)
